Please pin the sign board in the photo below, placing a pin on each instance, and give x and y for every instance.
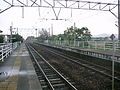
(112, 37)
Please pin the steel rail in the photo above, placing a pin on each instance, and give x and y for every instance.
(84, 65)
(89, 62)
(61, 76)
(49, 83)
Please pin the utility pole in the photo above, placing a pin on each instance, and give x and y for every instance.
(113, 66)
(51, 29)
(74, 34)
(10, 34)
(113, 62)
(36, 32)
(17, 30)
(119, 20)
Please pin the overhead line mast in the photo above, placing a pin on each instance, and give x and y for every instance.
(119, 20)
(70, 4)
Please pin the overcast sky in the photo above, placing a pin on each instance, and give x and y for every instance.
(98, 22)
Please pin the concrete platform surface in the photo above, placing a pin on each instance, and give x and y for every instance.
(107, 52)
(17, 72)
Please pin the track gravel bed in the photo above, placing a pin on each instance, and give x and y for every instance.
(84, 78)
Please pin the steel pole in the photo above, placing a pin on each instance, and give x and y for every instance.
(10, 34)
(113, 67)
(36, 32)
(119, 20)
(74, 34)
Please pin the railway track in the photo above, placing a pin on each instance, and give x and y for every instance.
(94, 67)
(49, 77)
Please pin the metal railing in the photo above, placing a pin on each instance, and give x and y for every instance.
(97, 45)
(108, 55)
(6, 50)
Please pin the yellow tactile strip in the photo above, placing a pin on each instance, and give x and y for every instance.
(11, 82)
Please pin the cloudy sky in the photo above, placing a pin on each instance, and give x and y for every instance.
(98, 22)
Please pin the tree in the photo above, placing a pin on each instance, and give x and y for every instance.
(17, 38)
(53, 37)
(44, 34)
(1, 38)
(69, 33)
(77, 33)
(83, 34)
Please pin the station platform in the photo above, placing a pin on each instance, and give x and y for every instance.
(108, 52)
(17, 72)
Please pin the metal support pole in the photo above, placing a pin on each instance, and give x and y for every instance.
(11, 37)
(119, 20)
(17, 30)
(10, 34)
(51, 29)
(113, 87)
(36, 33)
(74, 34)
(22, 12)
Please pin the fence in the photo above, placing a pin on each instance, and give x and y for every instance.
(6, 50)
(97, 45)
